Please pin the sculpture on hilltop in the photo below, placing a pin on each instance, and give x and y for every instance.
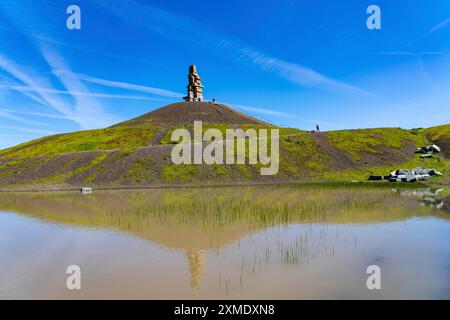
(195, 87)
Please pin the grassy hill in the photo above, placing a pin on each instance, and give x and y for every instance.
(137, 153)
(441, 136)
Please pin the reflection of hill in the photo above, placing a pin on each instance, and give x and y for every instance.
(195, 220)
(212, 218)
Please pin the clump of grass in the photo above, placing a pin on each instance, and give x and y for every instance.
(179, 173)
(13, 162)
(143, 170)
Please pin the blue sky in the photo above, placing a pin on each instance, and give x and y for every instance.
(291, 62)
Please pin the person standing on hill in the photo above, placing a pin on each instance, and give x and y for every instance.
(317, 127)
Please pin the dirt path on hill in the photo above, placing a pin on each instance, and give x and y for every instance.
(157, 138)
(341, 159)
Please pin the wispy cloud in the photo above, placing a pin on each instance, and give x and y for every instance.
(122, 85)
(81, 106)
(85, 48)
(440, 25)
(282, 115)
(7, 84)
(185, 29)
(10, 116)
(38, 114)
(87, 109)
(263, 111)
(15, 136)
(36, 131)
(34, 81)
(298, 74)
(24, 89)
(412, 53)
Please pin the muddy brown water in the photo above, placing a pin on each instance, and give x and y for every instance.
(260, 242)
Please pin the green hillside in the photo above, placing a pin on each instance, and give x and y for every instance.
(89, 140)
(441, 136)
(137, 153)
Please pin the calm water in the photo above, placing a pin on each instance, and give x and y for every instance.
(249, 242)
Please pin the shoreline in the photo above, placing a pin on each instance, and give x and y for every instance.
(361, 183)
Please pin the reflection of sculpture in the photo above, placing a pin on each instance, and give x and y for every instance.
(195, 87)
(196, 259)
